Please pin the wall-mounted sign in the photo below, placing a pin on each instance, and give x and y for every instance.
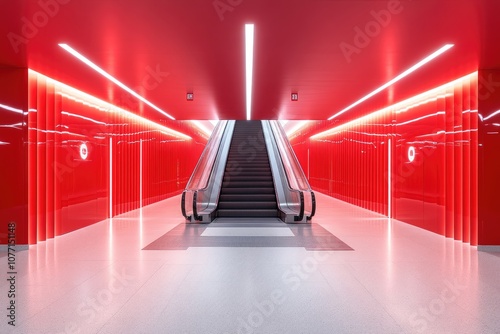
(84, 151)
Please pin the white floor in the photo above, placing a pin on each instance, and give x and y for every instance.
(398, 279)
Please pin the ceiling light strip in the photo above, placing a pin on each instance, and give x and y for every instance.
(94, 102)
(202, 127)
(412, 102)
(19, 111)
(396, 79)
(108, 76)
(249, 46)
(296, 128)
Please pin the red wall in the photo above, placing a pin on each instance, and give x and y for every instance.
(435, 191)
(489, 157)
(68, 183)
(349, 164)
(13, 153)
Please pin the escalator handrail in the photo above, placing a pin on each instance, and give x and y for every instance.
(291, 157)
(275, 127)
(218, 166)
(268, 129)
(313, 211)
(288, 186)
(215, 139)
(183, 205)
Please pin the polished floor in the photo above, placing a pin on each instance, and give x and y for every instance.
(392, 278)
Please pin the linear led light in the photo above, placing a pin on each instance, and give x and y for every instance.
(19, 111)
(202, 127)
(98, 104)
(490, 116)
(108, 76)
(296, 128)
(249, 41)
(403, 106)
(396, 79)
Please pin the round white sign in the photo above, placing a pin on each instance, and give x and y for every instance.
(411, 153)
(84, 151)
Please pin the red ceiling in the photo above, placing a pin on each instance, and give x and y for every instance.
(297, 48)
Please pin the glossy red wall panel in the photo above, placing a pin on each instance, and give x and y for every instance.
(474, 173)
(449, 163)
(348, 164)
(41, 131)
(14, 153)
(458, 166)
(466, 154)
(50, 158)
(433, 153)
(32, 158)
(63, 156)
(489, 163)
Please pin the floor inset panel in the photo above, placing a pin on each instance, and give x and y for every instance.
(248, 233)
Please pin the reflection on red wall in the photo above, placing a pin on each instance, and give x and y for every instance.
(85, 159)
(433, 154)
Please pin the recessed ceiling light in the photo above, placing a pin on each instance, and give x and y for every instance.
(249, 43)
(108, 76)
(396, 79)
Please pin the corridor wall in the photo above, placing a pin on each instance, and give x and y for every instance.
(489, 161)
(415, 161)
(88, 160)
(13, 167)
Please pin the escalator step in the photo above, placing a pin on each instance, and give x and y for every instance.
(251, 167)
(248, 197)
(248, 205)
(252, 178)
(248, 184)
(247, 213)
(242, 191)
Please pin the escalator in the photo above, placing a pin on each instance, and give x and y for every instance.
(247, 188)
(248, 170)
